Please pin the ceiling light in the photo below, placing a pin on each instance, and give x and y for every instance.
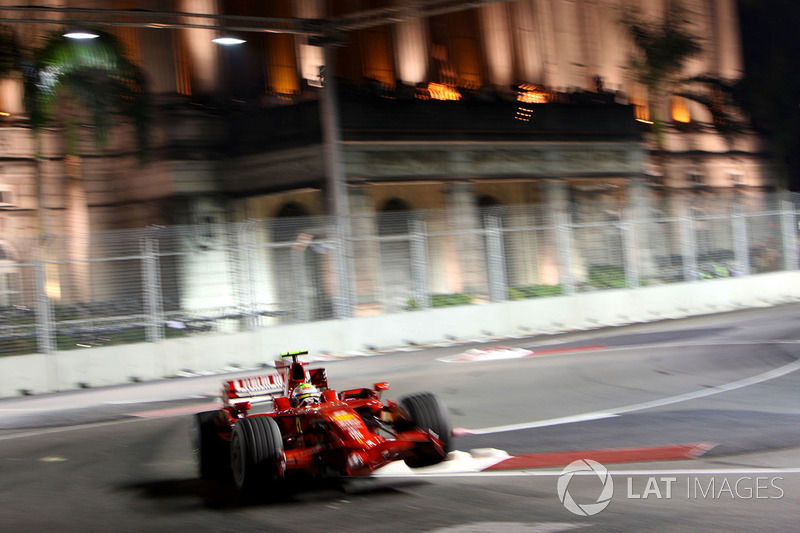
(228, 41)
(80, 34)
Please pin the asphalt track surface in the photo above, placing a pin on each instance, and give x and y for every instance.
(698, 422)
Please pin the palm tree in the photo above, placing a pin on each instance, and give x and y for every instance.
(723, 99)
(69, 84)
(662, 51)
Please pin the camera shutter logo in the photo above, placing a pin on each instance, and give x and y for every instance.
(588, 509)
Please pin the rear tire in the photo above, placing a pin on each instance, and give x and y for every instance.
(427, 412)
(257, 459)
(212, 453)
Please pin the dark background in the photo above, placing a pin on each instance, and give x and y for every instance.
(771, 42)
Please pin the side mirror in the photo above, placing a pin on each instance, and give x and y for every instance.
(382, 386)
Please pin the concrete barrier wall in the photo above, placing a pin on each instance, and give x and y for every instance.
(113, 365)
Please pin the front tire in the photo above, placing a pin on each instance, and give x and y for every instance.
(427, 412)
(211, 452)
(257, 458)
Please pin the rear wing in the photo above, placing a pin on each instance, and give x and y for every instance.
(253, 389)
(264, 388)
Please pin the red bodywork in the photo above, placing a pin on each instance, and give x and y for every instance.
(348, 433)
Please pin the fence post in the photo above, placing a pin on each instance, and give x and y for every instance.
(342, 301)
(151, 278)
(630, 249)
(419, 262)
(496, 259)
(789, 231)
(298, 259)
(45, 328)
(247, 282)
(564, 250)
(740, 241)
(688, 247)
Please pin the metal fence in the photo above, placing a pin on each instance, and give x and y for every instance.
(70, 292)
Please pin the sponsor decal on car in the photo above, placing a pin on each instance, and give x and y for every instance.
(256, 384)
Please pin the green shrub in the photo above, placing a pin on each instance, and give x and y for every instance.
(442, 300)
(607, 277)
(447, 300)
(534, 291)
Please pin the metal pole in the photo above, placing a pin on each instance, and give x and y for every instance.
(302, 310)
(688, 248)
(335, 180)
(740, 245)
(331, 139)
(630, 248)
(246, 279)
(154, 320)
(564, 251)
(789, 232)
(496, 258)
(45, 329)
(342, 301)
(419, 262)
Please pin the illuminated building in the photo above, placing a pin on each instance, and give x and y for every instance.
(522, 102)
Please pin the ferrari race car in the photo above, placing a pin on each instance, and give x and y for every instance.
(314, 430)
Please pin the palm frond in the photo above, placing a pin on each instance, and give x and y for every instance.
(723, 98)
(95, 76)
(662, 47)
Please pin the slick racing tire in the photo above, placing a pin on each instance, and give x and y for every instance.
(257, 459)
(427, 412)
(211, 452)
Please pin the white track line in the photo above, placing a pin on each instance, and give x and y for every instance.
(557, 473)
(597, 415)
(69, 428)
(586, 417)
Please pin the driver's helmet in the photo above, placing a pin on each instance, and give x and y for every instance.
(304, 394)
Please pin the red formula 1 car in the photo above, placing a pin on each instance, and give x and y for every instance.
(314, 430)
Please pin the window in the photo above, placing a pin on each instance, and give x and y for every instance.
(736, 178)
(641, 109)
(680, 110)
(697, 178)
(656, 179)
(7, 197)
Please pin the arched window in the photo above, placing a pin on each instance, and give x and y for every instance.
(395, 253)
(393, 217)
(509, 246)
(488, 205)
(287, 224)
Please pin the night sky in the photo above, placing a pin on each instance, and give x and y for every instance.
(771, 42)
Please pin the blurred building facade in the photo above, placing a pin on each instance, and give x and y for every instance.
(522, 102)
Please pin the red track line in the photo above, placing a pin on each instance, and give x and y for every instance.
(618, 455)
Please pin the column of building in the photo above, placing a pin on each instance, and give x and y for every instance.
(556, 195)
(203, 53)
(466, 264)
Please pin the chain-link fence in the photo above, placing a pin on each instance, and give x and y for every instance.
(67, 292)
